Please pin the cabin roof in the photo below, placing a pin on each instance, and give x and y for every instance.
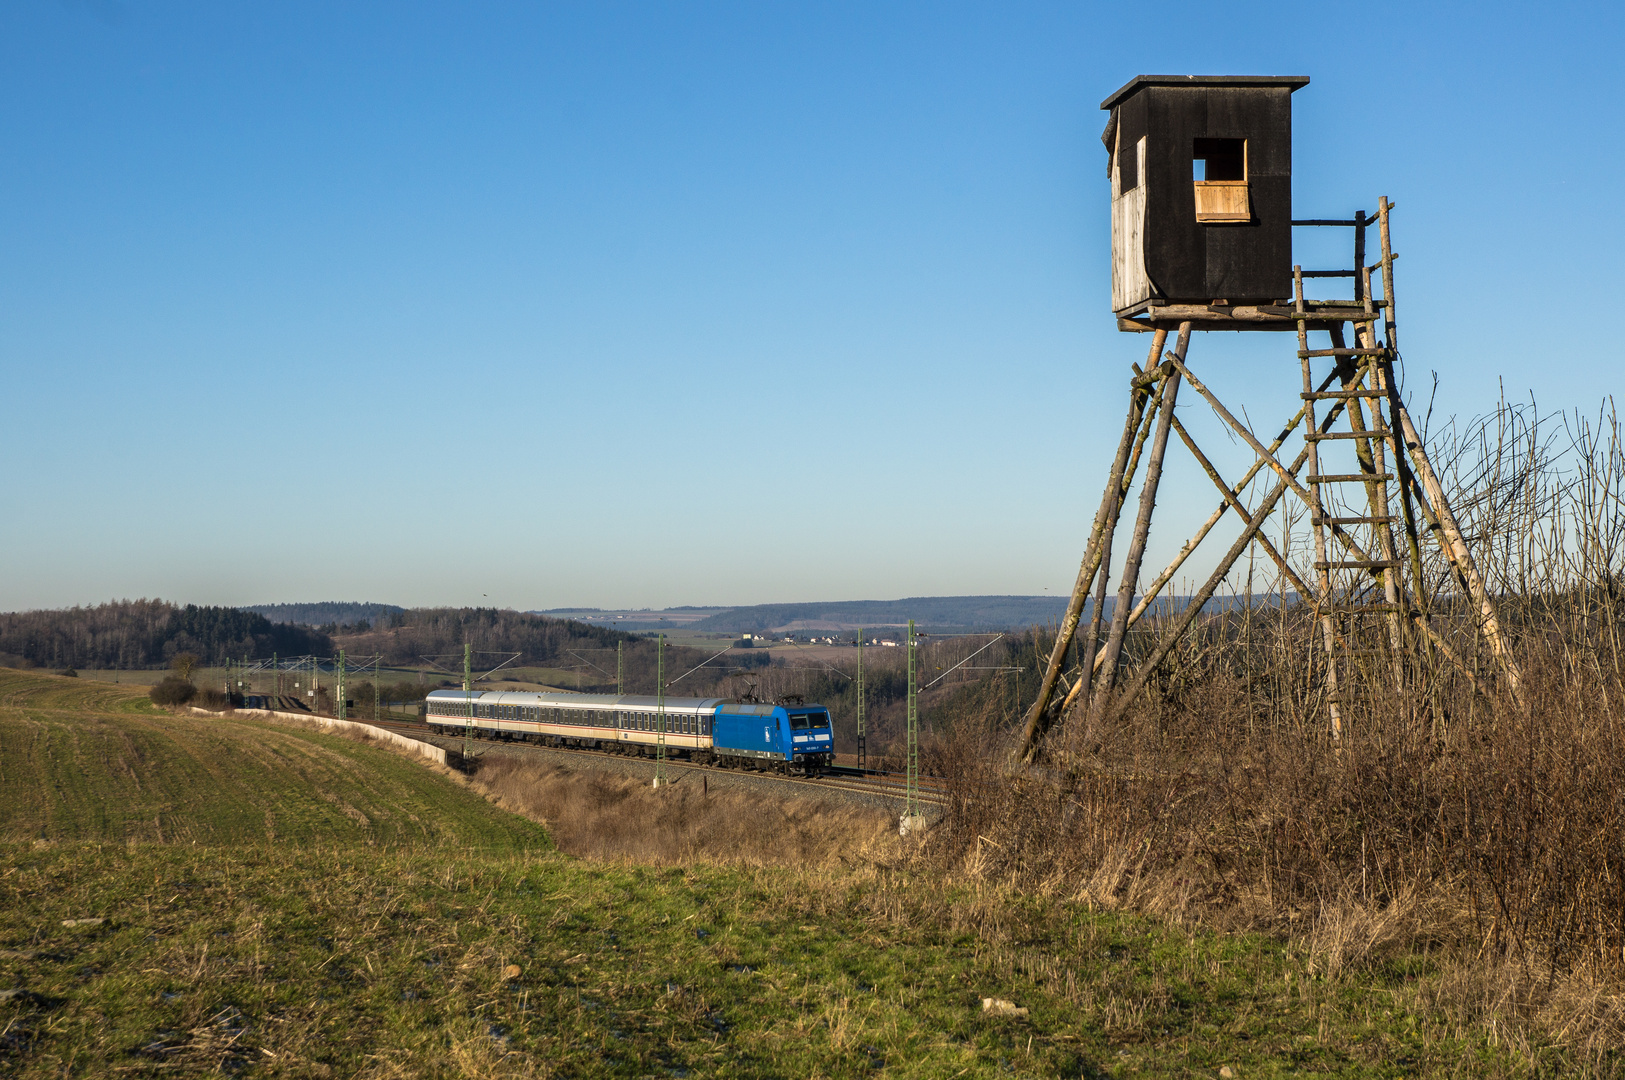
(1292, 82)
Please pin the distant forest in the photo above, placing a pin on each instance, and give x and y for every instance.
(146, 634)
(405, 637)
(325, 613)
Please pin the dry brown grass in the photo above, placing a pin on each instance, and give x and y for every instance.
(597, 814)
(1497, 848)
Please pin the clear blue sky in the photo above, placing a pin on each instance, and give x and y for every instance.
(616, 304)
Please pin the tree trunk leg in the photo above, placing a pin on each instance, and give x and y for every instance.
(1142, 529)
(1039, 716)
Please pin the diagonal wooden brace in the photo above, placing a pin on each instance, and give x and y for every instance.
(1241, 510)
(1270, 459)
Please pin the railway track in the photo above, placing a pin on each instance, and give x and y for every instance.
(840, 777)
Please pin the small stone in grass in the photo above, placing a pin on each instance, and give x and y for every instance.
(1226, 1072)
(511, 971)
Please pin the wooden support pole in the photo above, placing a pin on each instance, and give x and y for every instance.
(1460, 557)
(1407, 505)
(1038, 717)
(1089, 660)
(1142, 525)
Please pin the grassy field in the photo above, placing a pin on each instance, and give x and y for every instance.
(276, 902)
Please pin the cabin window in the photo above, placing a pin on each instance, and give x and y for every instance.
(1219, 173)
(1220, 159)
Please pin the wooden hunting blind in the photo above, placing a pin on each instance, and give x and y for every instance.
(1201, 175)
(1202, 227)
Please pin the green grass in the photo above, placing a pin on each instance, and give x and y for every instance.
(94, 762)
(388, 946)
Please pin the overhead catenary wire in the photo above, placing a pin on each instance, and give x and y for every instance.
(962, 663)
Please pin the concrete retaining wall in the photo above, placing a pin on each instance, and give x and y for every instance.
(422, 749)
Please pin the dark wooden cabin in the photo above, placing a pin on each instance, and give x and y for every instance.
(1201, 172)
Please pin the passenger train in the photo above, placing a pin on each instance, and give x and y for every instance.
(784, 738)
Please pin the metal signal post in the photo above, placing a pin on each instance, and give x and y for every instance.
(468, 698)
(863, 750)
(660, 713)
(911, 807)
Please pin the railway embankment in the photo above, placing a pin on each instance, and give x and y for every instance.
(878, 793)
(421, 747)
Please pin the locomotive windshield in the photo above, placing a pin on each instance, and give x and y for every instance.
(803, 721)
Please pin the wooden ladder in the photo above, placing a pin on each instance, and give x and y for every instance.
(1360, 604)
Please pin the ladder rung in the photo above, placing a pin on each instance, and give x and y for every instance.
(1335, 395)
(1348, 478)
(1387, 519)
(1305, 353)
(1326, 311)
(1359, 564)
(1325, 436)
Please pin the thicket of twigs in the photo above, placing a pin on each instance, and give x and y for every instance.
(1447, 816)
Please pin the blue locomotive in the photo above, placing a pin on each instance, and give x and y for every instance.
(783, 738)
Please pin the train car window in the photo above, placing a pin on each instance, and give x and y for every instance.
(800, 721)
